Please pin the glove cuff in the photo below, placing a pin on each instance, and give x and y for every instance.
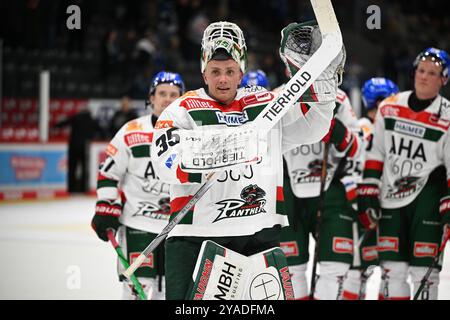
(108, 208)
(444, 209)
(368, 190)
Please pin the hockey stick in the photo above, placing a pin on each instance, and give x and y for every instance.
(320, 207)
(124, 261)
(275, 110)
(433, 265)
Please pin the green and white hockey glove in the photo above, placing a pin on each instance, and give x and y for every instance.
(369, 210)
(299, 41)
(107, 213)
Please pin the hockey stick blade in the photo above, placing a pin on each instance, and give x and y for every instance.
(274, 111)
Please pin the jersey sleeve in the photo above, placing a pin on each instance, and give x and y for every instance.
(305, 123)
(373, 166)
(113, 169)
(353, 144)
(166, 149)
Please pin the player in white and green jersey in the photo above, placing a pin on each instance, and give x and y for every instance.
(131, 198)
(243, 210)
(407, 174)
(365, 253)
(302, 190)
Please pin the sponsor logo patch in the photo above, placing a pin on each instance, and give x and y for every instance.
(111, 150)
(290, 248)
(388, 244)
(425, 249)
(135, 138)
(369, 253)
(164, 124)
(134, 126)
(409, 129)
(148, 262)
(231, 119)
(389, 110)
(342, 245)
(258, 98)
(169, 161)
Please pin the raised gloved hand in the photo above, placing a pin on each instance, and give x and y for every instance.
(444, 210)
(107, 213)
(299, 41)
(369, 211)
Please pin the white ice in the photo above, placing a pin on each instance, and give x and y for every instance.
(49, 251)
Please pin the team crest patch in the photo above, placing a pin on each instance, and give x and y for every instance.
(388, 244)
(252, 203)
(290, 248)
(342, 245)
(425, 249)
(404, 187)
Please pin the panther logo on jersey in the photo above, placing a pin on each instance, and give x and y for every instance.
(312, 174)
(403, 187)
(252, 193)
(160, 211)
(252, 203)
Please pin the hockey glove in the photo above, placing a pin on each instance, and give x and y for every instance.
(369, 211)
(338, 133)
(444, 210)
(106, 216)
(298, 44)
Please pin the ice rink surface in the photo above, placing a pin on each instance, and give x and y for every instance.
(49, 251)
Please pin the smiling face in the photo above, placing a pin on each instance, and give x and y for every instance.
(164, 95)
(222, 78)
(428, 79)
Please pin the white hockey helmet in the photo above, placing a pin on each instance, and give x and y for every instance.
(227, 36)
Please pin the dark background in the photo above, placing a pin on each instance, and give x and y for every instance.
(103, 60)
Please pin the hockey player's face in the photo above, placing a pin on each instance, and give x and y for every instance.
(164, 95)
(222, 78)
(428, 80)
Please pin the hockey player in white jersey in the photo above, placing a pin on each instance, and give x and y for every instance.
(404, 174)
(365, 253)
(131, 198)
(243, 211)
(302, 190)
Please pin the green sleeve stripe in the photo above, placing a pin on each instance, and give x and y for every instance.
(106, 183)
(370, 173)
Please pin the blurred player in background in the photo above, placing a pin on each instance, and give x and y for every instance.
(302, 193)
(131, 198)
(404, 175)
(255, 78)
(365, 252)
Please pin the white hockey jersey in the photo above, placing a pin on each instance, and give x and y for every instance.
(407, 147)
(129, 169)
(241, 202)
(304, 162)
